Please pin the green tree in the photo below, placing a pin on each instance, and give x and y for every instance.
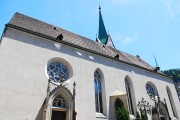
(122, 114)
(174, 73)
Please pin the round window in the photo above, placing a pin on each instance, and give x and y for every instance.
(57, 72)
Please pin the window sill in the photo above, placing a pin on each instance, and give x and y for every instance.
(100, 115)
(174, 118)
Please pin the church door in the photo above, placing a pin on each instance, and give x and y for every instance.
(118, 104)
(162, 118)
(58, 115)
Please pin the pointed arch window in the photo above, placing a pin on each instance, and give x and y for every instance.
(171, 102)
(151, 90)
(98, 92)
(129, 96)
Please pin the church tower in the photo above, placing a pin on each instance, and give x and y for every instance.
(103, 37)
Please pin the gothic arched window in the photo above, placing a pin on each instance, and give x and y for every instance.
(172, 102)
(98, 92)
(151, 91)
(129, 96)
(57, 72)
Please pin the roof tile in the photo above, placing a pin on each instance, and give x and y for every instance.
(43, 28)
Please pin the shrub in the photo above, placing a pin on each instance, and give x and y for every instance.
(122, 114)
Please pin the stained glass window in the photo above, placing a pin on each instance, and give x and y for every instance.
(59, 101)
(150, 91)
(57, 72)
(98, 92)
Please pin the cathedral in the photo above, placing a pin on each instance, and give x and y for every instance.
(49, 73)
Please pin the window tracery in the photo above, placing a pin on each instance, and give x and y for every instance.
(57, 72)
(98, 92)
(150, 91)
(59, 101)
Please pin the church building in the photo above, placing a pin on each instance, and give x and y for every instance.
(49, 73)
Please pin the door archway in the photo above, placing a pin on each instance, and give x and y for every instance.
(163, 113)
(118, 104)
(60, 104)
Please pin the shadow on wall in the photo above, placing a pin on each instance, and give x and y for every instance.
(40, 113)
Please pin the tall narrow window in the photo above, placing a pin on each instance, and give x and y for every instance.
(129, 96)
(98, 92)
(171, 102)
(151, 90)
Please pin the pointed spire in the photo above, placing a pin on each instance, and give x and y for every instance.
(102, 34)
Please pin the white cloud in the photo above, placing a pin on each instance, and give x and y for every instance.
(173, 8)
(117, 37)
(130, 39)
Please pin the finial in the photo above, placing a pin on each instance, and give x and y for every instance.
(74, 84)
(99, 7)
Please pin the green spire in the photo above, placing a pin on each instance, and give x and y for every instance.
(102, 34)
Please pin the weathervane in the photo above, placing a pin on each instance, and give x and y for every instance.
(157, 66)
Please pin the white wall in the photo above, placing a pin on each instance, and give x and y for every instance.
(23, 60)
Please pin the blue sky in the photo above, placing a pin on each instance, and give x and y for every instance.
(138, 27)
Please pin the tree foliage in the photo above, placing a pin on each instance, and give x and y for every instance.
(122, 114)
(174, 73)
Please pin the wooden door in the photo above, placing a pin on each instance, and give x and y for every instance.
(58, 115)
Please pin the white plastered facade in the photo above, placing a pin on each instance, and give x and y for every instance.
(23, 62)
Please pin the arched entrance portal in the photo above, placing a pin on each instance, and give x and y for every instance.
(118, 104)
(59, 108)
(163, 113)
(60, 105)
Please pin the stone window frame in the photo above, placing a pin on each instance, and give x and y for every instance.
(65, 63)
(153, 90)
(103, 114)
(65, 93)
(130, 95)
